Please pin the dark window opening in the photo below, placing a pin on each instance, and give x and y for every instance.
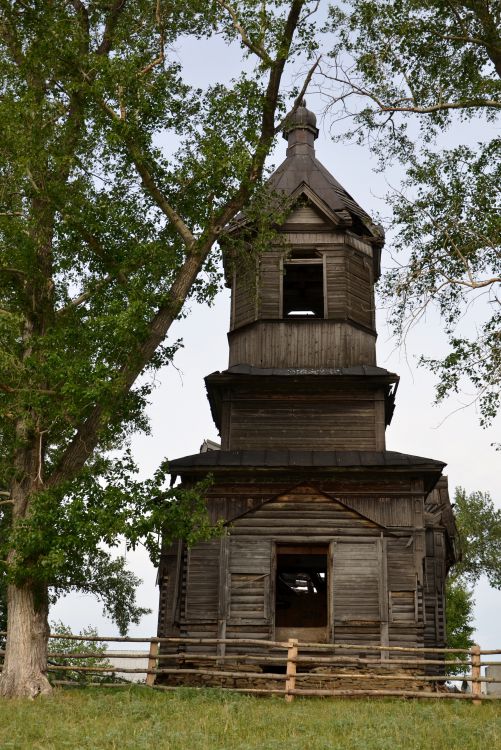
(301, 589)
(303, 290)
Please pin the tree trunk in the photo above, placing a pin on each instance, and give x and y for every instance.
(24, 674)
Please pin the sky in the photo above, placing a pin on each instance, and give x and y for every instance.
(179, 412)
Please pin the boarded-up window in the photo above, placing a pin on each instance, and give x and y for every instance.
(248, 600)
(249, 580)
(403, 606)
(202, 595)
(356, 576)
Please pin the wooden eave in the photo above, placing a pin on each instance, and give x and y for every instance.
(248, 463)
(305, 175)
(361, 376)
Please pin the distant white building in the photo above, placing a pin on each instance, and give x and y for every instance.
(129, 660)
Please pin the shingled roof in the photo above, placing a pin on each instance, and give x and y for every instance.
(280, 459)
(302, 172)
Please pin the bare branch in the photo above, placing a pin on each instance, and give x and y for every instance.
(161, 57)
(84, 296)
(257, 49)
(300, 96)
(399, 106)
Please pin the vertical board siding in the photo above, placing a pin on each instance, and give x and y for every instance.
(202, 581)
(302, 343)
(388, 511)
(402, 573)
(335, 270)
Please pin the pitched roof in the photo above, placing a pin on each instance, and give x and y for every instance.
(304, 169)
(284, 458)
(243, 461)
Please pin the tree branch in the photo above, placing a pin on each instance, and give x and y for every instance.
(109, 29)
(299, 98)
(161, 57)
(257, 49)
(88, 433)
(149, 183)
(84, 296)
(415, 108)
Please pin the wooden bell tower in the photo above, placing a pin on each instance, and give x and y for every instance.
(330, 537)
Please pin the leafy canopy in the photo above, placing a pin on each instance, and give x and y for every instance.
(401, 74)
(117, 177)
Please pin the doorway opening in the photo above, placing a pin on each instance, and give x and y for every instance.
(301, 586)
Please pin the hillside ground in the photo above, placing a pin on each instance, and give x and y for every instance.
(138, 719)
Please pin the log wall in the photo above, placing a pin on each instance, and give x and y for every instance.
(377, 595)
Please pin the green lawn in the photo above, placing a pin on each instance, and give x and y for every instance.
(135, 718)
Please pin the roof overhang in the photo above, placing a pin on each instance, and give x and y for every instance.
(325, 463)
(326, 379)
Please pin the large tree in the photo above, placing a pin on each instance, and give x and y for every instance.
(402, 74)
(104, 233)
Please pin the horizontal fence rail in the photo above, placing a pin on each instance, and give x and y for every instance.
(282, 665)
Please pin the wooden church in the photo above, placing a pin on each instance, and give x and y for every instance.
(330, 537)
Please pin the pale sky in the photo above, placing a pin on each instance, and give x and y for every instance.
(180, 415)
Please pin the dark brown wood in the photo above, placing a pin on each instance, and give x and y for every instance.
(302, 413)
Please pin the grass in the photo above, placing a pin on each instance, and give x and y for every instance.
(136, 719)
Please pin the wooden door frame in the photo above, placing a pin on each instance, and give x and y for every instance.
(324, 542)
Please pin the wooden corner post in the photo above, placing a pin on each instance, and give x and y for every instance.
(290, 681)
(476, 685)
(152, 662)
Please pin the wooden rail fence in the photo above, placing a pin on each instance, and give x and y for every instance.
(285, 661)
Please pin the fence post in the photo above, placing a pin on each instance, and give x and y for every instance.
(152, 662)
(476, 686)
(290, 682)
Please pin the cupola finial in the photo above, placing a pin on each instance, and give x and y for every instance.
(300, 130)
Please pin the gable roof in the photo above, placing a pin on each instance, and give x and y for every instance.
(328, 499)
(304, 174)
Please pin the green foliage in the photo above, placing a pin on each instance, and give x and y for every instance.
(104, 234)
(451, 230)
(459, 620)
(403, 73)
(61, 652)
(479, 526)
